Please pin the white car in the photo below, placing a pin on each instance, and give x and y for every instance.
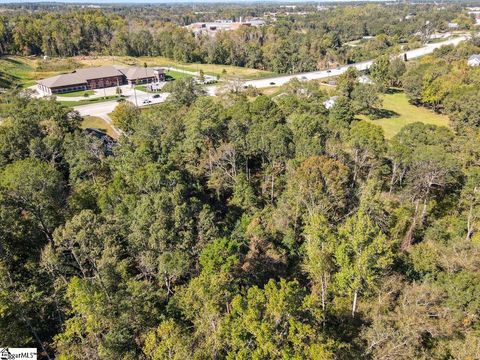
(147, 101)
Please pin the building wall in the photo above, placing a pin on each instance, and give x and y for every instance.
(66, 89)
(142, 80)
(105, 82)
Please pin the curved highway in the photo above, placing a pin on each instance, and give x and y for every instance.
(322, 74)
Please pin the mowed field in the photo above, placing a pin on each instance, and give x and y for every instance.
(24, 71)
(399, 112)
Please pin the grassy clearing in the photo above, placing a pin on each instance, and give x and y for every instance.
(212, 69)
(16, 71)
(77, 93)
(142, 88)
(24, 71)
(399, 112)
(96, 122)
(175, 75)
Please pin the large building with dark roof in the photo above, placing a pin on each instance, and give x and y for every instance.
(99, 77)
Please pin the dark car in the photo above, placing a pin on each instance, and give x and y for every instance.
(156, 96)
(272, 83)
(329, 71)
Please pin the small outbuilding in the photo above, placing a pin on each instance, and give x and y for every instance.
(330, 102)
(474, 60)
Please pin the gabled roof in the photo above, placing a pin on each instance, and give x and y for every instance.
(133, 73)
(81, 76)
(63, 80)
(98, 72)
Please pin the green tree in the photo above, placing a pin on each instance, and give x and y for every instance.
(365, 99)
(368, 146)
(380, 72)
(319, 259)
(471, 201)
(362, 257)
(321, 186)
(167, 341)
(36, 189)
(184, 91)
(272, 323)
(347, 82)
(431, 172)
(125, 116)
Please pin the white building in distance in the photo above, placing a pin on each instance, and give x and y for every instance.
(330, 102)
(474, 60)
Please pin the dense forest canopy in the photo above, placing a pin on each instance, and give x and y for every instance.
(244, 227)
(445, 83)
(292, 43)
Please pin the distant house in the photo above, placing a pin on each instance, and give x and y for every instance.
(453, 26)
(364, 79)
(330, 102)
(212, 28)
(474, 60)
(99, 78)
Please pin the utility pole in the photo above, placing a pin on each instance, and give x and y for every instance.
(135, 93)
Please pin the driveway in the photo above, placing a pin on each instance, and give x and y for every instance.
(103, 109)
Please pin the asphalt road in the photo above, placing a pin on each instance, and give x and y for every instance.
(315, 75)
(102, 109)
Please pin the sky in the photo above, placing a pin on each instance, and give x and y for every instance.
(129, 1)
(164, 1)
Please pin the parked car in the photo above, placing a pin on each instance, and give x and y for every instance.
(146, 101)
(156, 96)
(329, 71)
(272, 83)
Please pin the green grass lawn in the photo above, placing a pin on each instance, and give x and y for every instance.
(77, 93)
(87, 101)
(15, 72)
(142, 88)
(21, 71)
(175, 75)
(98, 123)
(399, 112)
